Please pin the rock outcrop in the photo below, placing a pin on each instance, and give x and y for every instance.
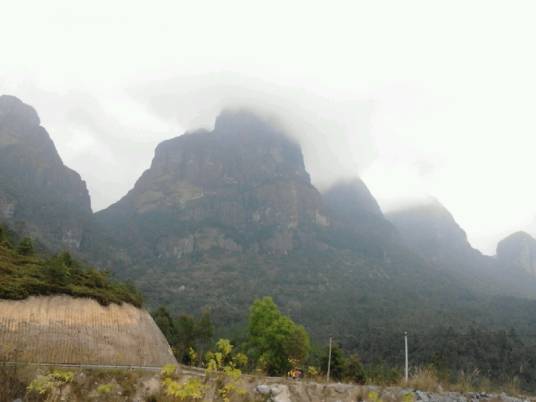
(39, 195)
(518, 252)
(66, 330)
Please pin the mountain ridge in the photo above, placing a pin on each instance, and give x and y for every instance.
(39, 195)
(225, 216)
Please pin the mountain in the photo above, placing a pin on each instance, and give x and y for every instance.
(431, 231)
(242, 186)
(357, 220)
(222, 217)
(39, 196)
(518, 252)
(227, 215)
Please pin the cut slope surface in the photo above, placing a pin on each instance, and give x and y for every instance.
(66, 330)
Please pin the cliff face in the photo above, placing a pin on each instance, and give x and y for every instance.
(61, 329)
(39, 195)
(518, 252)
(241, 186)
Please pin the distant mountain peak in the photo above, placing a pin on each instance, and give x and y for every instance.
(12, 109)
(244, 119)
(351, 197)
(432, 230)
(39, 195)
(518, 251)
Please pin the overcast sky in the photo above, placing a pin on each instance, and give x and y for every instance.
(420, 99)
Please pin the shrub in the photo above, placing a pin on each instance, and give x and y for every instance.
(104, 389)
(53, 382)
(223, 365)
(191, 389)
(25, 247)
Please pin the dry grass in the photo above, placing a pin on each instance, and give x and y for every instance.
(424, 379)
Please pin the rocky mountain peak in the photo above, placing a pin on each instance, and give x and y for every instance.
(14, 111)
(242, 183)
(352, 199)
(244, 120)
(432, 230)
(39, 195)
(518, 251)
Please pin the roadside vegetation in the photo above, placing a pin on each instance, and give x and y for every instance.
(24, 273)
(271, 343)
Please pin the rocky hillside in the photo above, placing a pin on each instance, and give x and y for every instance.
(39, 195)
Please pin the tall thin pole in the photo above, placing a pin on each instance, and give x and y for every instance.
(329, 360)
(406, 349)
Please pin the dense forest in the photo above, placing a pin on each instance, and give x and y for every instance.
(474, 358)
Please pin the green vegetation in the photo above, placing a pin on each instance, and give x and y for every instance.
(276, 342)
(50, 384)
(191, 389)
(188, 336)
(342, 367)
(272, 343)
(24, 274)
(224, 366)
(25, 247)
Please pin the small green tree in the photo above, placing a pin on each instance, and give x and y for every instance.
(186, 338)
(4, 237)
(224, 365)
(58, 272)
(162, 318)
(275, 340)
(354, 370)
(337, 364)
(25, 247)
(204, 331)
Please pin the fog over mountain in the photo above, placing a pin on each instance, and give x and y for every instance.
(387, 91)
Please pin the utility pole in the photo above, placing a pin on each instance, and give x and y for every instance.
(406, 349)
(329, 360)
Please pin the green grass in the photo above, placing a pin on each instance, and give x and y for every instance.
(22, 276)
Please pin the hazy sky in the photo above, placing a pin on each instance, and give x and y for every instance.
(419, 98)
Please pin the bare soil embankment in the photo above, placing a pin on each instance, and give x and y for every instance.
(67, 330)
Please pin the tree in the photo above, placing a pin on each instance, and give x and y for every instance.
(188, 336)
(58, 272)
(4, 238)
(163, 319)
(25, 247)
(204, 331)
(338, 362)
(275, 340)
(354, 370)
